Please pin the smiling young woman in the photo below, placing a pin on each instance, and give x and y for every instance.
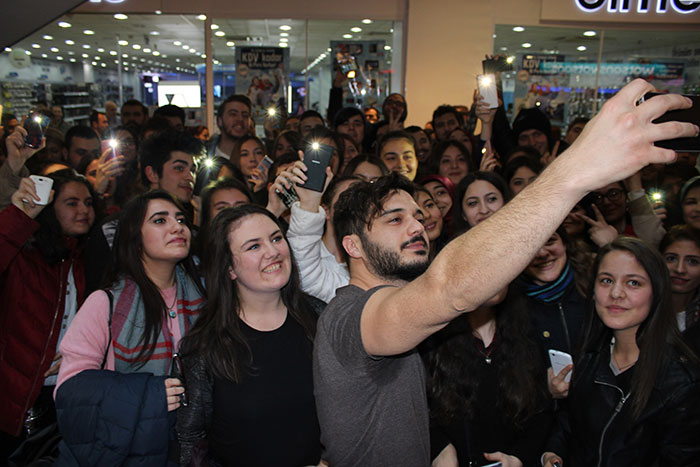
(248, 358)
(635, 390)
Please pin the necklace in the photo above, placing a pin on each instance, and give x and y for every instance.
(173, 313)
(483, 351)
(613, 359)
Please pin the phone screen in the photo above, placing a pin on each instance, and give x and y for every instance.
(691, 115)
(36, 125)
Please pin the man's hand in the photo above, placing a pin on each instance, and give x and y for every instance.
(17, 152)
(601, 232)
(619, 141)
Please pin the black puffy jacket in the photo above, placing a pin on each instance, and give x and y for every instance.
(597, 429)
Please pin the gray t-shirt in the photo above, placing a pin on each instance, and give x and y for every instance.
(373, 410)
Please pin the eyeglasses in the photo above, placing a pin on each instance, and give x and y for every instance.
(612, 195)
(178, 371)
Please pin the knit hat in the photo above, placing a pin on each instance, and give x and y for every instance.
(529, 119)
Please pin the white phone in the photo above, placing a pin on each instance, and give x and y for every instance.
(487, 89)
(495, 464)
(559, 360)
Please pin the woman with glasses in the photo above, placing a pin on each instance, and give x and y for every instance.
(247, 360)
(132, 328)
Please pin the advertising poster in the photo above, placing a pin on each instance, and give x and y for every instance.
(262, 74)
(364, 65)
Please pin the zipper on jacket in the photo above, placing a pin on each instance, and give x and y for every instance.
(566, 327)
(618, 407)
(53, 326)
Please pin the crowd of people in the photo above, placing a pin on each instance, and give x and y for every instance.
(186, 300)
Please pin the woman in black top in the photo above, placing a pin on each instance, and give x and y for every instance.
(248, 358)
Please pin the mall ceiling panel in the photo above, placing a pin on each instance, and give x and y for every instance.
(23, 18)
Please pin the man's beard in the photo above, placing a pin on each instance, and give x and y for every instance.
(387, 264)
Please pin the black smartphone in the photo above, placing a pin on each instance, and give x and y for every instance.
(317, 156)
(36, 125)
(288, 196)
(691, 115)
(491, 66)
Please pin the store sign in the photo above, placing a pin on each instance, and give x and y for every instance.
(262, 74)
(534, 63)
(662, 71)
(642, 6)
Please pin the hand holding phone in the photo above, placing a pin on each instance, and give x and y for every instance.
(317, 157)
(487, 89)
(691, 115)
(112, 144)
(559, 361)
(35, 125)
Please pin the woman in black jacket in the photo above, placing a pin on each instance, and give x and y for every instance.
(635, 392)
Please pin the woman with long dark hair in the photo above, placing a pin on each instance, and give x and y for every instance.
(133, 327)
(486, 387)
(479, 195)
(42, 284)
(247, 360)
(635, 390)
(680, 249)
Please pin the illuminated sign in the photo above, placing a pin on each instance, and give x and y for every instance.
(643, 6)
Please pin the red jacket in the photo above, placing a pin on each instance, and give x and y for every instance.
(32, 297)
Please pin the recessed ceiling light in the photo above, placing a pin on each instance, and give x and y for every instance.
(103, 65)
(147, 50)
(89, 32)
(230, 44)
(202, 17)
(154, 33)
(177, 60)
(125, 55)
(214, 27)
(96, 57)
(69, 42)
(347, 36)
(100, 49)
(203, 55)
(158, 12)
(589, 33)
(581, 48)
(284, 39)
(85, 55)
(283, 44)
(526, 45)
(504, 48)
(219, 33)
(44, 56)
(366, 21)
(59, 58)
(48, 37)
(356, 29)
(143, 60)
(494, 36)
(156, 53)
(64, 24)
(136, 46)
(28, 52)
(285, 27)
(518, 29)
(186, 47)
(284, 34)
(53, 49)
(7, 49)
(120, 16)
(72, 60)
(123, 43)
(94, 63)
(86, 46)
(193, 51)
(36, 46)
(113, 52)
(177, 43)
(70, 52)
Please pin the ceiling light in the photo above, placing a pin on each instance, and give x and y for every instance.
(366, 21)
(125, 55)
(27, 52)
(186, 47)
(86, 46)
(526, 45)
(285, 27)
(230, 44)
(193, 51)
(283, 44)
(589, 33)
(154, 33)
(143, 60)
(356, 29)
(284, 39)
(70, 52)
(518, 29)
(44, 56)
(581, 48)
(123, 42)
(347, 36)
(202, 17)
(136, 47)
(113, 52)
(84, 55)
(177, 60)
(387, 47)
(156, 53)
(494, 36)
(96, 57)
(89, 32)
(158, 12)
(94, 63)
(72, 60)
(47, 37)
(219, 33)
(53, 49)
(203, 55)
(214, 27)
(103, 65)
(147, 50)
(504, 48)
(64, 24)
(120, 16)
(59, 58)
(69, 42)
(36, 46)
(7, 49)
(126, 68)
(510, 59)
(100, 50)
(177, 43)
